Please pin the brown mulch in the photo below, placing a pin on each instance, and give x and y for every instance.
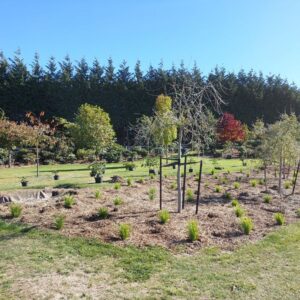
(217, 222)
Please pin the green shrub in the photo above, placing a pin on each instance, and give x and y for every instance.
(97, 194)
(298, 212)
(267, 198)
(193, 230)
(246, 225)
(15, 210)
(103, 213)
(164, 216)
(173, 186)
(287, 184)
(227, 195)
(118, 200)
(59, 222)
(235, 202)
(117, 185)
(248, 174)
(69, 201)
(279, 218)
(212, 172)
(152, 193)
(236, 185)
(129, 181)
(124, 231)
(152, 176)
(239, 212)
(218, 189)
(216, 177)
(253, 183)
(261, 181)
(189, 195)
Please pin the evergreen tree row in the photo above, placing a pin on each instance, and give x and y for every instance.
(60, 88)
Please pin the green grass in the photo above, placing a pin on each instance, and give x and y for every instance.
(264, 270)
(78, 175)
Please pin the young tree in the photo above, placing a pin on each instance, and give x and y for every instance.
(92, 129)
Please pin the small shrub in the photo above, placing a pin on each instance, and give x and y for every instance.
(216, 177)
(235, 203)
(217, 189)
(124, 231)
(118, 201)
(236, 185)
(267, 198)
(129, 181)
(261, 181)
(164, 216)
(152, 193)
(193, 230)
(189, 195)
(239, 212)
(212, 172)
(287, 185)
(152, 176)
(103, 213)
(15, 210)
(298, 212)
(253, 183)
(227, 195)
(97, 194)
(246, 225)
(59, 222)
(279, 218)
(69, 201)
(117, 186)
(248, 174)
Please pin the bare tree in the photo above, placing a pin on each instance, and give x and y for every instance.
(192, 103)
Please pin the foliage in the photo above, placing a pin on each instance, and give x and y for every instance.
(298, 212)
(246, 225)
(267, 198)
(287, 184)
(228, 196)
(129, 165)
(124, 231)
(193, 230)
(279, 218)
(164, 216)
(118, 200)
(218, 189)
(239, 212)
(253, 183)
(152, 193)
(235, 203)
(59, 222)
(236, 185)
(15, 210)
(229, 129)
(129, 181)
(98, 194)
(103, 213)
(117, 185)
(92, 128)
(97, 169)
(113, 153)
(69, 201)
(189, 195)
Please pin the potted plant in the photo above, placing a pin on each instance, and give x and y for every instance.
(191, 161)
(151, 162)
(130, 166)
(55, 176)
(24, 181)
(97, 171)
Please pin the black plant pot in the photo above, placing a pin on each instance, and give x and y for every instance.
(98, 179)
(191, 170)
(152, 171)
(24, 183)
(130, 168)
(174, 166)
(56, 177)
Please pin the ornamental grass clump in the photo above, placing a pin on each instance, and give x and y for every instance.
(152, 193)
(227, 195)
(103, 213)
(189, 195)
(97, 194)
(59, 222)
(124, 231)
(239, 212)
(246, 225)
(279, 218)
(117, 186)
(118, 200)
(193, 230)
(236, 185)
(267, 198)
(218, 189)
(253, 183)
(15, 210)
(235, 203)
(129, 181)
(287, 185)
(69, 201)
(164, 216)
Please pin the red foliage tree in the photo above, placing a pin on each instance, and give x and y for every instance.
(229, 129)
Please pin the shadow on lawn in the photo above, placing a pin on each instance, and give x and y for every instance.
(18, 232)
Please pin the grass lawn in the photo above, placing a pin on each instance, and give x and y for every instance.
(77, 175)
(42, 265)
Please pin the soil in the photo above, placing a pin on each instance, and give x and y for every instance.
(217, 221)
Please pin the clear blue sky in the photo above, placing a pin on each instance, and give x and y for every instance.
(259, 34)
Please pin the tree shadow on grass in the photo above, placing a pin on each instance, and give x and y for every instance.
(11, 232)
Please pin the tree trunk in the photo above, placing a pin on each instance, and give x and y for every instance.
(9, 158)
(280, 174)
(265, 177)
(37, 161)
(178, 173)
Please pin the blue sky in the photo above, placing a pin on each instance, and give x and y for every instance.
(259, 34)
